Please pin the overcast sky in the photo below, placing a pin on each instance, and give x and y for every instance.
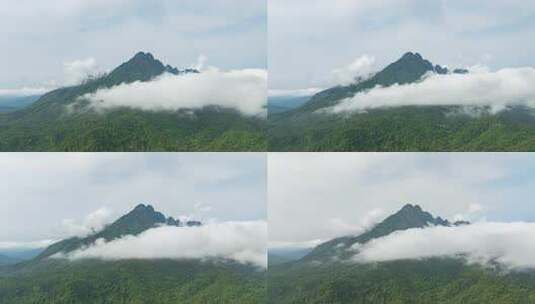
(311, 41)
(43, 41)
(50, 195)
(314, 197)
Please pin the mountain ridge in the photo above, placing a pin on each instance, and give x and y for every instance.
(409, 68)
(138, 220)
(408, 217)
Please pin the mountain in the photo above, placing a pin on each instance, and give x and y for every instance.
(408, 69)
(140, 219)
(403, 128)
(410, 216)
(50, 280)
(327, 275)
(59, 121)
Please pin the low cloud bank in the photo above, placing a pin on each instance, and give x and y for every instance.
(506, 243)
(25, 91)
(92, 223)
(78, 70)
(360, 67)
(244, 90)
(497, 90)
(244, 242)
(294, 93)
(26, 245)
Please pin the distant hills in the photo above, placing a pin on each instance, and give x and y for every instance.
(51, 280)
(7, 260)
(328, 275)
(57, 121)
(279, 104)
(14, 103)
(403, 128)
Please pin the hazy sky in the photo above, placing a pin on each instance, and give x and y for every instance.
(44, 42)
(50, 195)
(317, 196)
(309, 39)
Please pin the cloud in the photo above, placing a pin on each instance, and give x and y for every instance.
(472, 210)
(294, 93)
(25, 91)
(244, 242)
(92, 223)
(302, 202)
(505, 243)
(243, 90)
(78, 70)
(232, 33)
(360, 67)
(26, 245)
(294, 245)
(497, 90)
(201, 61)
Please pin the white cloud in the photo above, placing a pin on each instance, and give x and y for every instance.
(230, 32)
(471, 212)
(201, 61)
(506, 87)
(78, 70)
(302, 245)
(245, 242)
(25, 91)
(26, 245)
(506, 243)
(294, 93)
(92, 223)
(244, 90)
(361, 67)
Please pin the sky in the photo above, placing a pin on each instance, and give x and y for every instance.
(315, 43)
(48, 44)
(314, 197)
(49, 196)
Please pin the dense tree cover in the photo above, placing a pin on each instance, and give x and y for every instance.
(127, 129)
(408, 128)
(133, 281)
(431, 281)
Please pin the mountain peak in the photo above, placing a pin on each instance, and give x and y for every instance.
(143, 207)
(413, 216)
(140, 56)
(411, 207)
(412, 56)
(143, 67)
